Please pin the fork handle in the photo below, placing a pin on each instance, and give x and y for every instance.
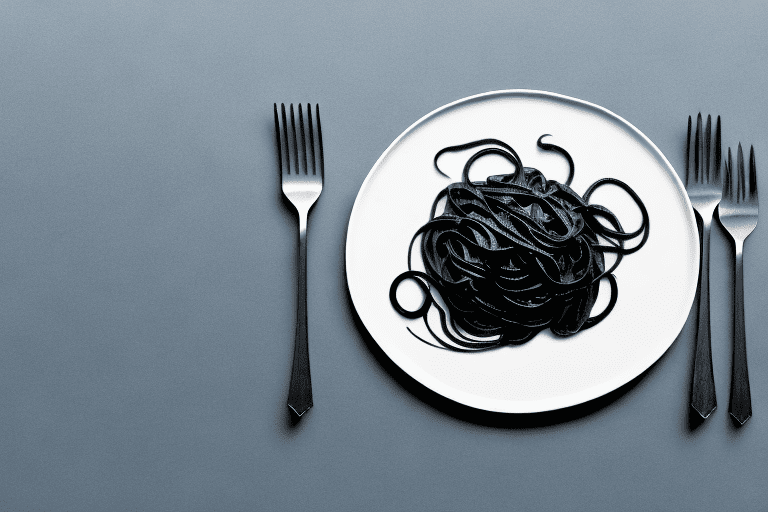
(703, 398)
(300, 391)
(741, 399)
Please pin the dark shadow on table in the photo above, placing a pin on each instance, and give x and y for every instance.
(477, 416)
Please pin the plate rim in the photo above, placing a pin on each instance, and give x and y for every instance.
(551, 403)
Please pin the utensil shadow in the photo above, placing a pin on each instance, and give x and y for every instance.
(487, 418)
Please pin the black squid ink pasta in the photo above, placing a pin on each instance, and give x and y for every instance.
(515, 254)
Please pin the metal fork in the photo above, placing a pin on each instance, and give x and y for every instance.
(301, 168)
(738, 215)
(704, 190)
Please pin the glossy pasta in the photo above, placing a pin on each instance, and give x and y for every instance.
(515, 254)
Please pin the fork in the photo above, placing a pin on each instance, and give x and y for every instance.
(301, 170)
(704, 191)
(738, 215)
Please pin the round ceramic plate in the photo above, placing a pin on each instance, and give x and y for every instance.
(657, 284)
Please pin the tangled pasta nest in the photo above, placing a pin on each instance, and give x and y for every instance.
(515, 254)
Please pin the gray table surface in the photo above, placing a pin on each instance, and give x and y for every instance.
(147, 293)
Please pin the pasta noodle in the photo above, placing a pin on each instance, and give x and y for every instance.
(515, 254)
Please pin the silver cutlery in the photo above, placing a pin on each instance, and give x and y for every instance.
(738, 215)
(301, 169)
(704, 190)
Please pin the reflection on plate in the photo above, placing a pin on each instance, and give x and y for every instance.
(656, 284)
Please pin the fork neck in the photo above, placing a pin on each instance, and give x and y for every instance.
(707, 212)
(738, 248)
(303, 214)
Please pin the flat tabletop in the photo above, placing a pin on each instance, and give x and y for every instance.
(147, 258)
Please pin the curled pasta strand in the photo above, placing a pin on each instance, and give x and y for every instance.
(515, 254)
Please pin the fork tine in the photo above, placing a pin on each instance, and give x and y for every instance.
(311, 138)
(707, 150)
(285, 139)
(320, 141)
(699, 153)
(718, 150)
(752, 175)
(740, 180)
(303, 143)
(688, 154)
(727, 179)
(295, 144)
(277, 136)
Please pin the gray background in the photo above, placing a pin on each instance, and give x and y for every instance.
(147, 279)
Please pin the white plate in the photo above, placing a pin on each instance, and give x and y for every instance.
(657, 284)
